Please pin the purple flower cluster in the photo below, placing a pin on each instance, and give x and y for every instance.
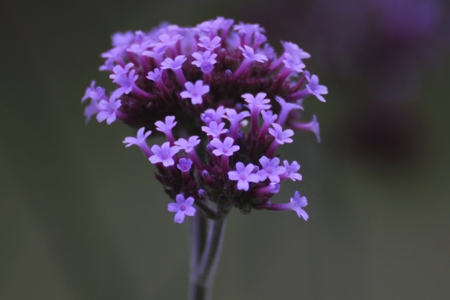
(225, 103)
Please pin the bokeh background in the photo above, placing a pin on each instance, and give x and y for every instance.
(81, 217)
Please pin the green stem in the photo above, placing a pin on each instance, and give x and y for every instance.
(202, 273)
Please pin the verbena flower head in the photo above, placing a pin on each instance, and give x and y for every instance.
(224, 101)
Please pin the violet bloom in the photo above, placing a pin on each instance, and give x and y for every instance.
(205, 61)
(163, 154)
(138, 49)
(184, 164)
(257, 103)
(268, 51)
(98, 94)
(214, 129)
(243, 175)
(213, 115)
(309, 126)
(315, 88)
(169, 41)
(294, 50)
(268, 116)
(157, 52)
(224, 148)
(274, 187)
(155, 75)
(270, 169)
(139, 140)
(286, 108)
(281, 136)
(235, 117)
(88, 91)
(119, 71)
(291, 170)
(176, 64)
(250, 54)
(182, 208)
(91, 110)
(122, 39)
(209, 44)
(195, 92)
(293, 62)
(107, 110)
(125, 82)
(167, 125)
(188, 145)
(297, 205)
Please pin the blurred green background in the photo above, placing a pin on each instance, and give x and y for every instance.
(81, 217)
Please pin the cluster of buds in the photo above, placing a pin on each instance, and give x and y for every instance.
(224, 101)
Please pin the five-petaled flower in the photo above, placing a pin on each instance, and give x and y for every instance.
(298, 203)
(163, 154)
(195, 91)
(244, 175)
(182, 208)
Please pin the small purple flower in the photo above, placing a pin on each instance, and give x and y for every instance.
(291, 170)
(297, 205)
(108, 109)
(91, 110)
(163, 154)
(243, 28)
(139, 139)
(167, 125)
(281, 136)
(119, 71)
(88, 91)
(274, 187)
(214, 129)
(188, 145)
(195, 92)
(311, 126)
(250, 54)
(169, 63)
(268, 51)
(98, 94)
(138, 48)
(184, 164)
(157, 52)
(294, 50)
(155, 75)
(235, 117)
(182, 208)
(270, 169)
(122, 39)
(243, 175)
(315, 88)
(125, 82)
(268, 116)
(205, 61)
(293, 62)
(209, 44)
(257, 103)
(286, 107)
(112, 56)
(224, 148)
(169, 41)
(213, 115)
